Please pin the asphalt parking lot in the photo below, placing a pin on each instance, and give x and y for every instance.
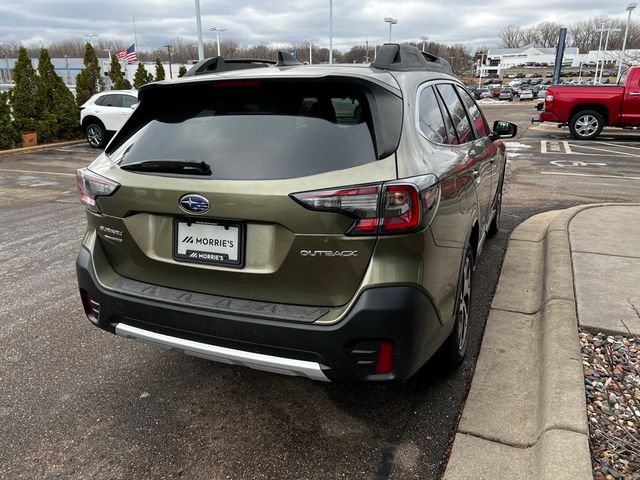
(79, 403)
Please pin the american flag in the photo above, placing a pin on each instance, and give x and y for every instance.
(129, 54)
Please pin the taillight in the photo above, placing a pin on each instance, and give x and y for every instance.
(548, 98)
(396, 207)
(401, 208)
(91, 185)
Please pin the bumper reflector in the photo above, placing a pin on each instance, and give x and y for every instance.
(384, 362)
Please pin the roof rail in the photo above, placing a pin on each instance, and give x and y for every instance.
(219, 64)
(407, 58)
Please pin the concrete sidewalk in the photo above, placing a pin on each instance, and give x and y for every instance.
(525, 416)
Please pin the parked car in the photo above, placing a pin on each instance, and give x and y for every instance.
(486, 94)
(505, 94)
(105, 113)
(207, 234)
(588, 109)
(526, 95)
(541, 93)
(477, 92)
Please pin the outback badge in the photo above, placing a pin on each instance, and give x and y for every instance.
(194, 203)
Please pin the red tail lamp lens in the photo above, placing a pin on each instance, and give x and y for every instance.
(401, 208)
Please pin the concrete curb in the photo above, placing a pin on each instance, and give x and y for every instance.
(525, 416)
(40, 147)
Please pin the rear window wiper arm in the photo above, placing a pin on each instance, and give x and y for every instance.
(169, 166)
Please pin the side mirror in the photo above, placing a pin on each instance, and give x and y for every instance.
(504, 129)
(134, 106)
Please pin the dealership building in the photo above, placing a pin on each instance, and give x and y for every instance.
(497, 60)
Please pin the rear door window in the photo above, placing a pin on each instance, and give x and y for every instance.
(112, 100)
(458, 113)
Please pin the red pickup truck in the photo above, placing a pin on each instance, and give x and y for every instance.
(587, 109)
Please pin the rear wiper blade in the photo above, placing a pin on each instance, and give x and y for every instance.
(169, 166)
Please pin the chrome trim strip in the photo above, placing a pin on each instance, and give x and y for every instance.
(258, 361)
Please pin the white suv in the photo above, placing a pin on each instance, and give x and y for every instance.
(105, 113)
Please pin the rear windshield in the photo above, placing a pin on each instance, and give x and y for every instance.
(259, 129)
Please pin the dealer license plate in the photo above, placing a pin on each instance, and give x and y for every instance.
(208, 241)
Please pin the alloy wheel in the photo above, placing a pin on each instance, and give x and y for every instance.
(586, 125)
(94, 136)
(464, 304)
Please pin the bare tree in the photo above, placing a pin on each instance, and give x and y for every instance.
(511, 36)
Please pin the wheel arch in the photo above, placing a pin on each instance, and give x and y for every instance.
(89, 119)
(597, 107)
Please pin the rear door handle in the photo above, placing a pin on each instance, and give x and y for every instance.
(635, 94)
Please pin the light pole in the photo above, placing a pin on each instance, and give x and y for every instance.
(480, 74)
(218, 30)
(630, 8)
(424, 39)
(168, 46)
(310, 52)
(330, 32)
(199, 26)
(391, 22)
(66, 63)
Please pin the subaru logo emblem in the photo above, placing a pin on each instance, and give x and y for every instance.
(193, 203)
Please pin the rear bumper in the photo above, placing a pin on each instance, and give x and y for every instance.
(545, 116)
(403, 316)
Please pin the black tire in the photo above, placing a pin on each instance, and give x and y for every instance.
(586, 125)
(495, 222)
(457, 343)
(96, 135)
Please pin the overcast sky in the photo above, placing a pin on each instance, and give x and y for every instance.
(472, 22)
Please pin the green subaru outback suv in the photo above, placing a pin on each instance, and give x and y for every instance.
(320, 221)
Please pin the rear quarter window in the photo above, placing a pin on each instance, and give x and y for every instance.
(430, 121)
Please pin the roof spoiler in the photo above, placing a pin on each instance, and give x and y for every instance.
(219, 64)
(406, 58)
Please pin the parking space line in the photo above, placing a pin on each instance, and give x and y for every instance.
(35, 172)
(613, 152)
(567, 148)
(543, 146)
(618, 145)
(590, 175)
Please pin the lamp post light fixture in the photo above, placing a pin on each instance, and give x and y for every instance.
(391, 22)
(631, 6)
(218, 30)
(424, 39)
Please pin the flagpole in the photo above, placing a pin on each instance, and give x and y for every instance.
(135, 37)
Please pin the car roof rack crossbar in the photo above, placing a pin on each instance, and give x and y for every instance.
(219, 64)
(285, 59)
(407, 58)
